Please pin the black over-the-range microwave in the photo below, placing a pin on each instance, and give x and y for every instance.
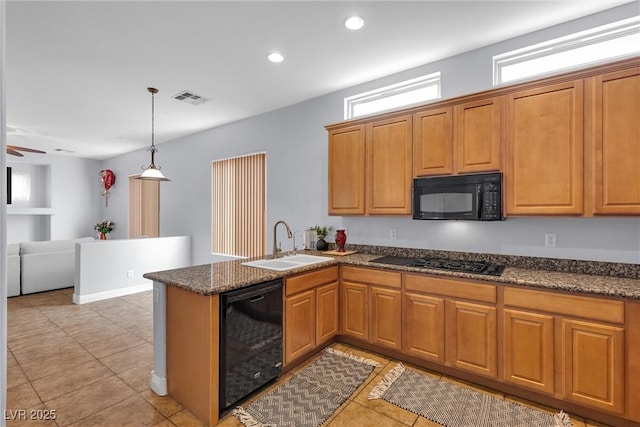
(470, 197)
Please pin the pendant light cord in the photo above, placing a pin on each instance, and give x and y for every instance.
(153, 115)
(152, 149)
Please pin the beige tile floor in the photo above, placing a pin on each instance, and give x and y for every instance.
(91, 364)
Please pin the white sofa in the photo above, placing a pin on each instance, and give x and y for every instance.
(48, 265)
(13, 269)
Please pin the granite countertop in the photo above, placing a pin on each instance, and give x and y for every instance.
(215, 278)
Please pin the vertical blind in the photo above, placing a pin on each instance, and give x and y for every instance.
(144, 208)
(239, 206)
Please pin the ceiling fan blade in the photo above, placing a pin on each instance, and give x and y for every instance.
(14, 152)
(29, 150)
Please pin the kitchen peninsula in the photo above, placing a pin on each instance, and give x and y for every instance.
(559, 337)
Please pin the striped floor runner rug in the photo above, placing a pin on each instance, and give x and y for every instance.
(455, 406)
(312, 395)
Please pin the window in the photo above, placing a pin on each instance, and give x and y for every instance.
(20, 186)
(605, 43)
(239, 206)
(403, 94)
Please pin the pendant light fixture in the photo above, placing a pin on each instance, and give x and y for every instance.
(152, 172)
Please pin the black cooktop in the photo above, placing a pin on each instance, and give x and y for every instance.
(474, 267)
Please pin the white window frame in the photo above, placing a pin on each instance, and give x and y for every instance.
(572, 42)
(388, 92)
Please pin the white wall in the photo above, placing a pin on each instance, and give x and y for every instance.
(103, 267)
(3, 226)
(296, 144)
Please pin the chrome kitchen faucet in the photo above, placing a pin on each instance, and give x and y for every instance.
(275, 228)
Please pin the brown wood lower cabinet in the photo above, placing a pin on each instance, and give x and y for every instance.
(355, 310)
(576, 352)
(586, 337)
(528, 350)
(300, 328)
(472, 333)
(371, 306)
(386, 317)
(593, 369)
(591, 355)
(326, 312)
(311, 312)
(423, 326)
(438, 326)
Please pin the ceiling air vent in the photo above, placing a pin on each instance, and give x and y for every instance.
(190, 98)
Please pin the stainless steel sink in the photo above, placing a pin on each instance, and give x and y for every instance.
(287, 262)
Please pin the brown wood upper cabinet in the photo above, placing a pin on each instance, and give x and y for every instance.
(370, 168)
(477, 136)
(567, 145)
(347, 171)
(544, 150)
(433, 142)
(613, 135)
(389, 166)
(464, 138)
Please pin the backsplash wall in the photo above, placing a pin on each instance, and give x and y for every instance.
(596, 239)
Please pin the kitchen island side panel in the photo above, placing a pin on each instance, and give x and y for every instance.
(193, 351)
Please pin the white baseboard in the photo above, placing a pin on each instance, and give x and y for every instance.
(98, 296)
(158, 384)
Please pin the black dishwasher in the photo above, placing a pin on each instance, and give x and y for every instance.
(250, 340)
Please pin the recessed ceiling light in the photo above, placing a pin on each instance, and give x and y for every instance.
(275, 57)
(354, 23)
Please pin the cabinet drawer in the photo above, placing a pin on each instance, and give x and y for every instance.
(450, 287)
(306, 281)
(571, 305)
(372, 276)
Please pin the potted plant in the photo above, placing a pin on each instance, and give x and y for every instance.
(103, 228)
(322, 232)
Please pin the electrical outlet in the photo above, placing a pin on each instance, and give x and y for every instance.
(393, 234)
(129, 274)
(550, 240)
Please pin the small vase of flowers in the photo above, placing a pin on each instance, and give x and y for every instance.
(103, 228)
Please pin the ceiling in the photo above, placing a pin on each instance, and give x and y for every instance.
(77, 72)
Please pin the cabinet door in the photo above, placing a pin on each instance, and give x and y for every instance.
(544, 146)
(433, 142)
(472, 337)
(615, 137)
(528, 350)
(327, 312)
(386, 317)
(347, 171)
(593, 356)
(477, 136)
(423, 321)
(355, 310)
(389, 163)
(300, 325)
